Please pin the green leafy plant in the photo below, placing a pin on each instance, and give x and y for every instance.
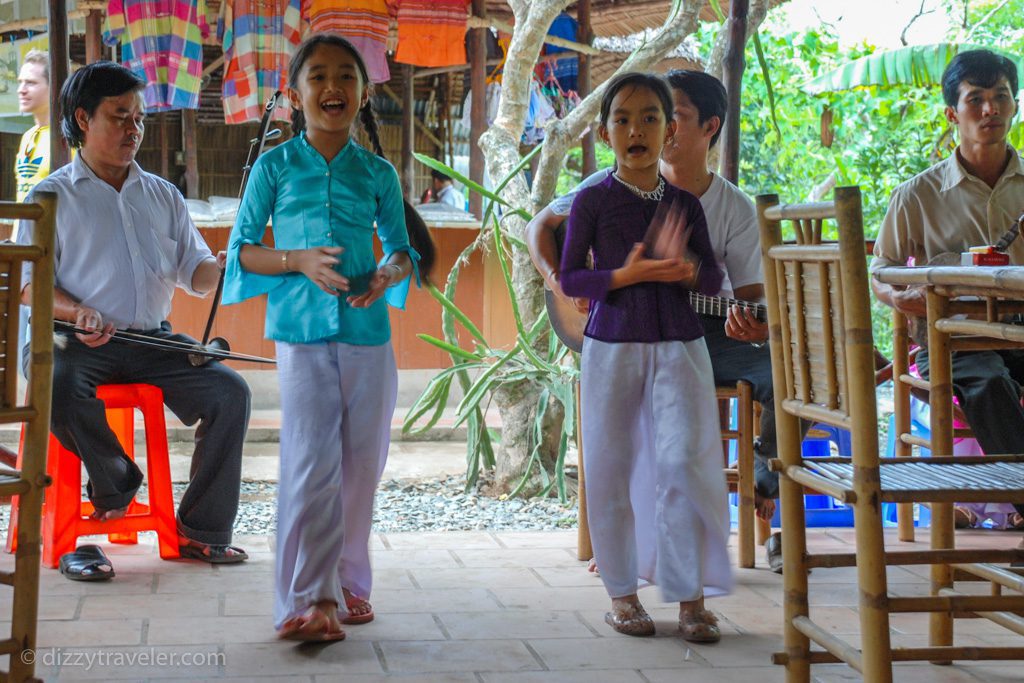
(481, 370)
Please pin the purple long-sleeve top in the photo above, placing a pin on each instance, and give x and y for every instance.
(607, 219)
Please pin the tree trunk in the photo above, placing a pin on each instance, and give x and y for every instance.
(716, 61)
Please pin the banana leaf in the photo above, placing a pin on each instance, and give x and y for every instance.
(919, 65)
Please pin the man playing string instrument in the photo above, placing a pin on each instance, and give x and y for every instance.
(966, 200)
(124, 242)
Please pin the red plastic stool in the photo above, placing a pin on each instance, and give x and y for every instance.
(66, 516)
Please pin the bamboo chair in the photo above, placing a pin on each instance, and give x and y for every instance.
(740, 478)
(822, 363)
(904, 386)
(28, 483)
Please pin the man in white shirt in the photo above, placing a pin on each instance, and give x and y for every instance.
(124, 242)
(970, 199)
(445, 192)
(737, 343)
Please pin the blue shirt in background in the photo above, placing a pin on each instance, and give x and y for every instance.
(316, 203)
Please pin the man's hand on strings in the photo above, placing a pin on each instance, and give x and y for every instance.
(318, 265)
(742, 325)
(89, 319)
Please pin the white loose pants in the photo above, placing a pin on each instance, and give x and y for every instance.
(337, 401)
(656, 495)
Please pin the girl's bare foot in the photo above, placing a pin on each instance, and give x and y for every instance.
(629, 617)
(320, 623)
(359, 609)
(697, 624)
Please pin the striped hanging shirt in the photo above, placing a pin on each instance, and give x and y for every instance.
(364, 22)
(259, 37)
(162, 43)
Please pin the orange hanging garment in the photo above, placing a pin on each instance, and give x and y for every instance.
(432, 32)
(364, 22)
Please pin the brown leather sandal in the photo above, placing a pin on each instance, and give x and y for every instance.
(630, 619)
(699, 626)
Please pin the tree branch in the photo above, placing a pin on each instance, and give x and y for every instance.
(920, 13)
(559, 135)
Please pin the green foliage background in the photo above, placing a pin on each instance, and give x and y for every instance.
(883, 136)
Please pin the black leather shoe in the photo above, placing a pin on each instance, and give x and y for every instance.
(773, 551)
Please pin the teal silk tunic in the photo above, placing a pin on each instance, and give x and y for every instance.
(316, 203)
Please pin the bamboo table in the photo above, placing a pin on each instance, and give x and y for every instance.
(965, 305)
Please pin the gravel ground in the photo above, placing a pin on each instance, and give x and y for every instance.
(423, 505)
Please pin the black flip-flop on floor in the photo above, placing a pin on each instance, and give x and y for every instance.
(86, 563)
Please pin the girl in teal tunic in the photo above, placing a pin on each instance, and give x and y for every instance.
(327, 311)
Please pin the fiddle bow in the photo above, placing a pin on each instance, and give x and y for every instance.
(220, 344)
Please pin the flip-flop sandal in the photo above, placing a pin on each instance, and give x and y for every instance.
(86, 563)
(214, 554)
(359, 610)
(699, 626)
(309, 630)
(630, 620)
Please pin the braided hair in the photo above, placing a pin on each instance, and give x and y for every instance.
(419, 235)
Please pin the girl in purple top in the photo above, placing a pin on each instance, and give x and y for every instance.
(649, 414)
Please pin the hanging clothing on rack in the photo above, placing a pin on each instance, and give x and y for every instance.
(259, 38)
(431, 32)
(538, 114)
(566, 66)
(162, 43)
(492, 99)
(364, 22)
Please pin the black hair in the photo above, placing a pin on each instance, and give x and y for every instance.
(981, 68)
(419, 235)
(705, 92)
(636, 79)
(439, 175)
(87, 88)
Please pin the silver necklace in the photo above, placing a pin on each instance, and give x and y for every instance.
(656, 194)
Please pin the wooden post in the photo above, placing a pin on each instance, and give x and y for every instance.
(93, 43)
(478, 104)
(586, 35)
(734, 65)
(449, 133)
(189, 130)
(57, 27)
(940, 625)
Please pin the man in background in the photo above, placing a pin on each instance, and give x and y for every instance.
(33, 161)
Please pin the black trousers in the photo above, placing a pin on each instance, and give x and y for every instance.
(732, 361)
(213, 395)
(988, 386)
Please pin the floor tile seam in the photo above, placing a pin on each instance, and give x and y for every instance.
(382, 660)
